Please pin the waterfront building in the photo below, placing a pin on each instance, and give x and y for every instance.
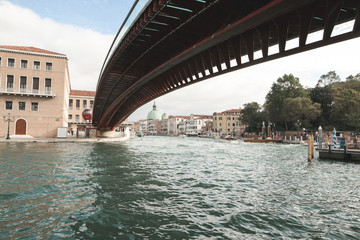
(173, 125)
(34, 91)
(143, 126)
(206, 130)
(79, 100)
(153, 122)
(182, 126)
(164, 125)
(136, 126)
(228, 122)
(195, 124)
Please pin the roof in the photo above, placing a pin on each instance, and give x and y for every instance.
(232, 111)
(185, 117)
(198, 116)
(82, 93)
(30, 49)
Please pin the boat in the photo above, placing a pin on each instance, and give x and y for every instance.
(229, 138)
(192, 134)
(139, 134)
(255, 140)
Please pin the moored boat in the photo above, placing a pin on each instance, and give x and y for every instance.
(263, 140)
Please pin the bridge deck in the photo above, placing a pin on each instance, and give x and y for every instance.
(176, 43)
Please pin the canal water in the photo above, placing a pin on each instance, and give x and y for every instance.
(175, 188)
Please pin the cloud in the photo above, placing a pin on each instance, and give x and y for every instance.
(85, 48)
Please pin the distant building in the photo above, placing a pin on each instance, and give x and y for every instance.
(154, 114)
(228, 122)
(195, 124)
(34, 90)
(152, 124)
(79, 100)
(173, 125)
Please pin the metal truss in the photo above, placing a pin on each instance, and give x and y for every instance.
(177, 43)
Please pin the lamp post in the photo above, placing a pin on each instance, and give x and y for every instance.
(8, 120)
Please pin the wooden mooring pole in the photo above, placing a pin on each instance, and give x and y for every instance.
(310, 148)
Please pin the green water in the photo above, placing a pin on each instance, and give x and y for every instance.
(175, 188)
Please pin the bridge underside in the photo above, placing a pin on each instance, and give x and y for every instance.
(177, 43)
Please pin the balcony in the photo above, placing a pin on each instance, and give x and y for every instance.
(27, 92)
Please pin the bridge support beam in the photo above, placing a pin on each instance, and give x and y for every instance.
(120, 134)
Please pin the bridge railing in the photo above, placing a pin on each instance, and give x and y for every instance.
(135, 10)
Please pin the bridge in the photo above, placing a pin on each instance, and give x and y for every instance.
(174, 43)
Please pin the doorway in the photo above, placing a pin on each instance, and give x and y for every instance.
(20, 127)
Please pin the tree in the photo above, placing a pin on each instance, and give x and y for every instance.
(300, 108)
(323, 94)
(252, 116)
(346, 106)
(328, 79)
(287, 86)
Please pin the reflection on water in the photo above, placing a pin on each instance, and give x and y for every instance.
(175, 188)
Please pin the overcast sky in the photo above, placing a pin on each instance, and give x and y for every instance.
(85, 29)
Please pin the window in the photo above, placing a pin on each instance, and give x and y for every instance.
(233, 124)
(220, 118)
(70, 104)
(36, 65)
(220, 124)
(228, 124)
(233, 118)
(47, 85)
(10, 81)
(8, 105)
(84, 104)
(48, 66)
(0, 61)
(77, 117)
(35, 84)
(22, 84)
(34, 106)
(22, 106)
(24, 63)
(92, 104)
(11, 62)
(77, 104)
(229, 118)
(70, 116)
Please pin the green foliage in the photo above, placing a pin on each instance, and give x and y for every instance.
(287, 86)
(302, 109)
(328, 79)
(252, 116)
(331, 103)
(324, 97)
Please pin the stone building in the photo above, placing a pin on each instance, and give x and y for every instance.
(34, 91)
(79, 100)
(195, 124)
(228, 122)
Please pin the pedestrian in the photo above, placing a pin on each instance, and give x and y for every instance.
(72, 132)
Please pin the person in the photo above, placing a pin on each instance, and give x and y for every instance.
(72, 132)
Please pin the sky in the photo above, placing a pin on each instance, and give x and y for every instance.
(85, 29)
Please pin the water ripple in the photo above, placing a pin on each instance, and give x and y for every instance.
(175, 188)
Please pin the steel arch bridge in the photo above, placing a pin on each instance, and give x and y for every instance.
(174, 43)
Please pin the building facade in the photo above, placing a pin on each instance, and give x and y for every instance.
(79, 100)
(195, 124)
(34, 91)
(228, 122)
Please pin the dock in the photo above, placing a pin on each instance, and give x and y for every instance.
(340, 154)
